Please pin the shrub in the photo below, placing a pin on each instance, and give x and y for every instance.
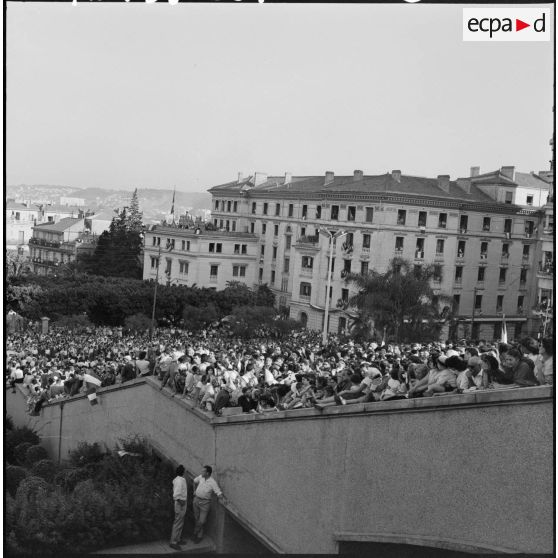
(8, 423)
(86, 453)
(34, 454)
(15, 437)
(14, 476)
(137, 322)
(67, 479)
(20, 452)
(44, 469)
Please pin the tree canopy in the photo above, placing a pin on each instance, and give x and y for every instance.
(401, 299)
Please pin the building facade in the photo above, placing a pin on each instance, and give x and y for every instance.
(196, 256)
(485, 242)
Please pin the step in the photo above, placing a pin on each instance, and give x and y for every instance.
(161, 548)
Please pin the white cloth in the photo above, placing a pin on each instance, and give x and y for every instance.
(179, 489)
(206, 487)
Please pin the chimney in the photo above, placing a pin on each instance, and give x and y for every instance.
(475, 171)
(508, 172)
(443, 182)
(260, 178)
(464, 184)
(357, 175)
(329, 176)
(288, 177)
(396, 175)
(240, 178)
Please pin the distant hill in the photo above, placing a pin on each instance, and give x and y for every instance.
(153, 202)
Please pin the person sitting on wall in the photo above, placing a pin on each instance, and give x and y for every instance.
(520, 370)
(544, 365)
(472, 378)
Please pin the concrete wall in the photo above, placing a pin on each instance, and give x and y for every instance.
(471, 472)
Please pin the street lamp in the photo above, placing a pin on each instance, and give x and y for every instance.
(333, 235)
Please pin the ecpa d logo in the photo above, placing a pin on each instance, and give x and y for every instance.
(506, 24)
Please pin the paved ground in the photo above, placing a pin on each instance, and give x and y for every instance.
(162, 548)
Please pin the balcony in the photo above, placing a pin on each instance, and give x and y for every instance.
(546, 269)
(419, 255)
(463, 230)
(484, 256)
(505, 257)
(307, 239)
(347, 248)
(344, 274)
(529, 234)
(525, 260)
(398, 252)
(460, 256)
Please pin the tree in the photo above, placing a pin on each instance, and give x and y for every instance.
(137, 322)
(16, 264)
(400, 299)
(135, 218)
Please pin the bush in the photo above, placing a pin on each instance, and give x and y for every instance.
(20, 453)
(45, 469)
(137, 322)
(8, 423)
(13, 478)
(68, 479)
(15, 437)
(34, 454)
(85, 454)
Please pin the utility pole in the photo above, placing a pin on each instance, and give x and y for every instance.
(155, 295)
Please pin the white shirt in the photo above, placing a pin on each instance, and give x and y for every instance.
(179, 489)
(205, 487)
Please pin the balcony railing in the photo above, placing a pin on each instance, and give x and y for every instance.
(546, 268)
(419, 255)
(398, 252)
(306, 271)
(309, 239)
(505, 257)
(483, 256)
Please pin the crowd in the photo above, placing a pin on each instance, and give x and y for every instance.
(215, 371)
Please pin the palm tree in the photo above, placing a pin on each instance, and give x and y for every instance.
(400, 299)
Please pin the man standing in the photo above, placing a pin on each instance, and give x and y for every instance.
(205, 487)
(180, 497)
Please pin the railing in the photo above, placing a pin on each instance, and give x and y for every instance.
(483, 256)
(306, 271)
(309, 239)
(398, 252)
(43, 242)
(419, 255)
(505, 257)
(213, 278)
(546, 268)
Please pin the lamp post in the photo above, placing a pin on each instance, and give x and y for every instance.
(333, 236)
(155, 294)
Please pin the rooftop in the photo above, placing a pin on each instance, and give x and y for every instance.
(59, 226)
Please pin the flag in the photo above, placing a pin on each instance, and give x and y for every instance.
(504, 335)
(92, 398)
(172, 206)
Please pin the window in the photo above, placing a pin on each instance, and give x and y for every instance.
(276, 230)
(526, 248)
(274, 254)
(456, 301)
(366, 241)
(264, 228)
(235, 206)
(399, 243)
(505, 250)
(345, 295)
(212, 246)
(443, 221)
(401, 216)
(272, 276)
(221, 223)
(244, 248)
(507, 225)
(509, 197)
(304, 211)
(351, 213)
(499, 303)
(529, 228)
(277, 209)
(484, 250)
(219, 247)
(233, 226)
(458, 273)
(364, 268)
(291, 209)
(334, 212)
(439, 246)
(227, 225)
(183, 268)
(302, 231)
(252, 228)
(216, 205)
(341, 326)
(347, 266)
(480, 274)
(154, 241)
(463, 223)
(419, 251)
(486, 224)
(305, 289)
(307, 262)
(478, 302)
(229, 206)
(523, 276)
(168, 270)
(222, 205)
(239, 271)
(349, 241)
(318, 212)
(502, 277)
(213, 271)
(288, 242)
(237, 248)
(262, 250)
(265, 206)
(520, 300)
(154, 262)
(369, 214)
(286, 263)
(186, 245)
(260, 274)
(284, 284)
(529, 200)
(422, 219)
(332, 264)
(253, 208)
(215, 223)
(437, 275)
(461, 249)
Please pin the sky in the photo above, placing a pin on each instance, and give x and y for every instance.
(125, 95)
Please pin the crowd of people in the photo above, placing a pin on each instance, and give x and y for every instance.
(215, 371)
